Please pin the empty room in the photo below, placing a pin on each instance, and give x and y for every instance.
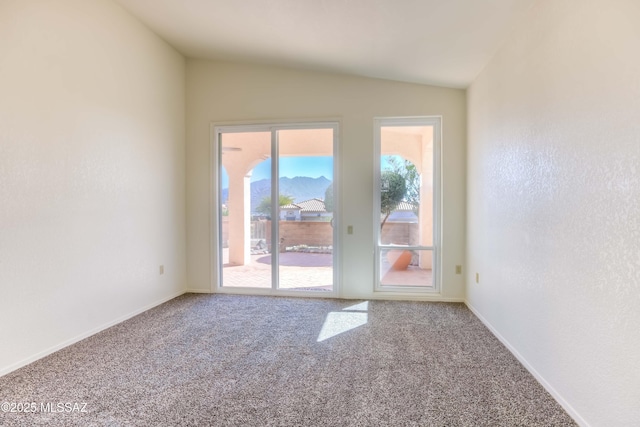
(320, 213)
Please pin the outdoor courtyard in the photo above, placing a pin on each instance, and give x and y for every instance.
(301, 271)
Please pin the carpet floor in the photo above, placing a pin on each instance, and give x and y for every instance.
(224, 360)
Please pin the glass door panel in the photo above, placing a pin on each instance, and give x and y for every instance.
(246, 221)
(306, 233)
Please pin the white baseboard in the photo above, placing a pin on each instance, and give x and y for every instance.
(552, 391)
(198, 291)
(396, 296)
(375, 296)
(41, 354)
(414, 297)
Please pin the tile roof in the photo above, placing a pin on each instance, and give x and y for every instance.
(317, 205)
(405, 206)
(289, 207)
(312, 205)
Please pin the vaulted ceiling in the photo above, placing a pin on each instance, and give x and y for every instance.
(440, 42)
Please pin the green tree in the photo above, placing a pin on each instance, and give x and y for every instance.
(265, 204)
(392, 192)
(328, 198)
(412, 179)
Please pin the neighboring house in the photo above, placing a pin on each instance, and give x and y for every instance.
(308, 210)
(404, 212)
(314, 210)
(290, 212)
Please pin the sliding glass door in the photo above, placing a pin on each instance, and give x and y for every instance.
(276, 219)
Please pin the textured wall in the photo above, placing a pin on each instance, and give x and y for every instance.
(554, 202)
(222, 92)
(92, 178)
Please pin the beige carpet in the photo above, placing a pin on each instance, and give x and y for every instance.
(212, 360)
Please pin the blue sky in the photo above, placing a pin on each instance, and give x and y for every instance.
(312, 167)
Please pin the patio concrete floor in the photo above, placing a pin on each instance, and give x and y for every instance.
(298, 271)
(307, 272)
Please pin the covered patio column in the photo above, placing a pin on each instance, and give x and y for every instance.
(239, 205)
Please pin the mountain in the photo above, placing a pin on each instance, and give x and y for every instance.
(301, 188)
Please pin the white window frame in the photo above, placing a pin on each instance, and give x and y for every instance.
(436, 123)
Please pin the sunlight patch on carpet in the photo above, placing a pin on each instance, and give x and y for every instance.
(337, 323)
(363, 306)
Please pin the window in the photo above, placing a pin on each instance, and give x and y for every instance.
(407, 191)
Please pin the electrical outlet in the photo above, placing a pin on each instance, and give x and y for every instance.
(162, 269)
(458, 269)
(477, 277)
(349, 229)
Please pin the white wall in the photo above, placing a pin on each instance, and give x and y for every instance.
(222, 92)
(554, 202)
(92, 172)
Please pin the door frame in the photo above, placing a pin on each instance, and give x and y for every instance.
(216, 259)
(436, 123)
